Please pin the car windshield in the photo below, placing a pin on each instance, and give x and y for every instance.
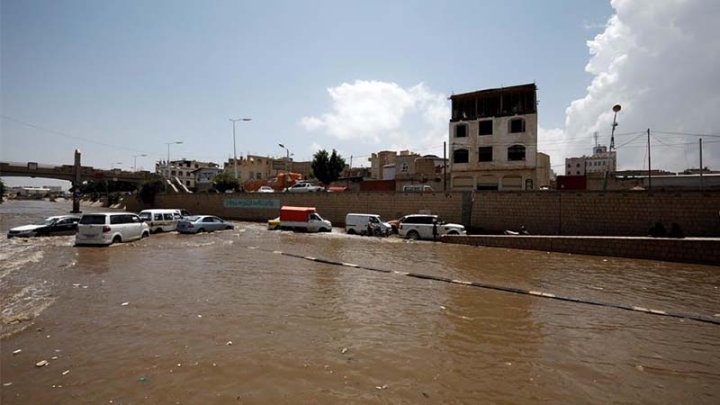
(47, 221)
(92, 220)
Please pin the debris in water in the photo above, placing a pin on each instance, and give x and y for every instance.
(443, 307)
(76, 285)
(382, 387)
(229, 343)
(639, 368)
(344, 350)
(18, 351)
(42, 363)
(54, 358)
(7, 384)
(199, 316)
(142, 378)
(426, 395)
(65, 372)
(125, 304)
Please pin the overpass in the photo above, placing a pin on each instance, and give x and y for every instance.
(75, 173)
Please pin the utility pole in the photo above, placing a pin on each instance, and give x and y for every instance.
(649, 163)
(234, 145)
(701, 167)
(444, 166)
(616, 108)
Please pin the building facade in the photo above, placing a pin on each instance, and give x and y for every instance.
(493, 139)
(598, 162)
(182, 171)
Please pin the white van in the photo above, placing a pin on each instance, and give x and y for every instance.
(161, 220)
(358, 224)
(106, 228)
(417, 188)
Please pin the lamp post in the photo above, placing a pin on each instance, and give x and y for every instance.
(167, 164)
(135, 160)
(616, 108)
(234, 146)
(287, 163)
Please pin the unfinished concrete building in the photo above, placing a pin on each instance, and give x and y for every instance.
(493, 140)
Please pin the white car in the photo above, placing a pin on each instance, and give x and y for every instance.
(106, 228)
(421, 226)
(266, 189)
(305, 188)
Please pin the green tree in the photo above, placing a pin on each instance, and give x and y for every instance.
(327, 167)
(225, 181)
(2, 191)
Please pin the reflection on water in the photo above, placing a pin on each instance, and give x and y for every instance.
(204, 319)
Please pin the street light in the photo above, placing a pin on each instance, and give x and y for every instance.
(616, 108)
(287, 163)
(135, 160)
(234, 147)
(167, 164)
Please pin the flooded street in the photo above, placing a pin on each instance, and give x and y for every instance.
(205, 319)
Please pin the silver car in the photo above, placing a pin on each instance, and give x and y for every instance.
(203, 223)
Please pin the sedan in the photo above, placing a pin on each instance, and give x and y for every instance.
(203, 223)
(52, 226)
(266, 189)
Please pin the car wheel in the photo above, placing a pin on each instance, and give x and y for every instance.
(413, 235)
(201, 230)
(453, 233)
(228, 227)
(116, 239)
(159, 230)
(144, 235)
(351, 231)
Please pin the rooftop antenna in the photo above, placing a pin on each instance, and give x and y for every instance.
(596, 134)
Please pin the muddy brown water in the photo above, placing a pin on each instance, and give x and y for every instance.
(209, 321)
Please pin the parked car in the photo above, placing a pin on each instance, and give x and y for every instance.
(106, 228)
(265, 189)
(422, 226)
(203, 223)
(358, 224)
(51, 226)
(305, 188)
(417, 188)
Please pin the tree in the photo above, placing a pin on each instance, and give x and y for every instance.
(327, 168)
(148, 190)
(225, 181)
(2, 191)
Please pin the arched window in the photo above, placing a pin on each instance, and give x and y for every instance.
(461, 156)
(516, 152)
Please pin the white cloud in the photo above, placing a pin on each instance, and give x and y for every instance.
(382, 113)
(659, 59)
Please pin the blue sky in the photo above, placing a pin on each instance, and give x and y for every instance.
(121, 78)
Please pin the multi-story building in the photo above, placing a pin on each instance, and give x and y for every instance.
(406, 167)
(493, 139)
(599, 162)
(182, 170)
(255, 167)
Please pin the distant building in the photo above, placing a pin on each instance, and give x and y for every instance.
(181, 171)
(204, 177)
(493, 140)
(406, 167)
(256, 167)
(598, 162)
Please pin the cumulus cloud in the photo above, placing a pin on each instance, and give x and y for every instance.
(660, 60)
(376, 112)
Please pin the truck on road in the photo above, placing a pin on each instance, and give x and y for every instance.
(303, 219)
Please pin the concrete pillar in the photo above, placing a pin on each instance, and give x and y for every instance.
(77, 182)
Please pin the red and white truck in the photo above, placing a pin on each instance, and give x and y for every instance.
(303, 219)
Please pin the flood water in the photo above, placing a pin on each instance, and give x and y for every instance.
(208, 321)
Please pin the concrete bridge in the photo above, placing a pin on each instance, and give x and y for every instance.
(76, 173)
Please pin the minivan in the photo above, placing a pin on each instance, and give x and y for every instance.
(423, 226)
(106, 228)
(161, 220)
(358, 224)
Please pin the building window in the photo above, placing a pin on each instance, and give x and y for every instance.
(404, 167)
(461, 156)
(516, 152)
(172, 173)
(517, 125)
(460, 131)
(259, 176)
(485, 154)
(187, 182)
(485, 127)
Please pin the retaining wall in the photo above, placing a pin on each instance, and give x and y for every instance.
(704, 251)
(625, 213)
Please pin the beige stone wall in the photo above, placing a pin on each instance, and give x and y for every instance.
(625, 213)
